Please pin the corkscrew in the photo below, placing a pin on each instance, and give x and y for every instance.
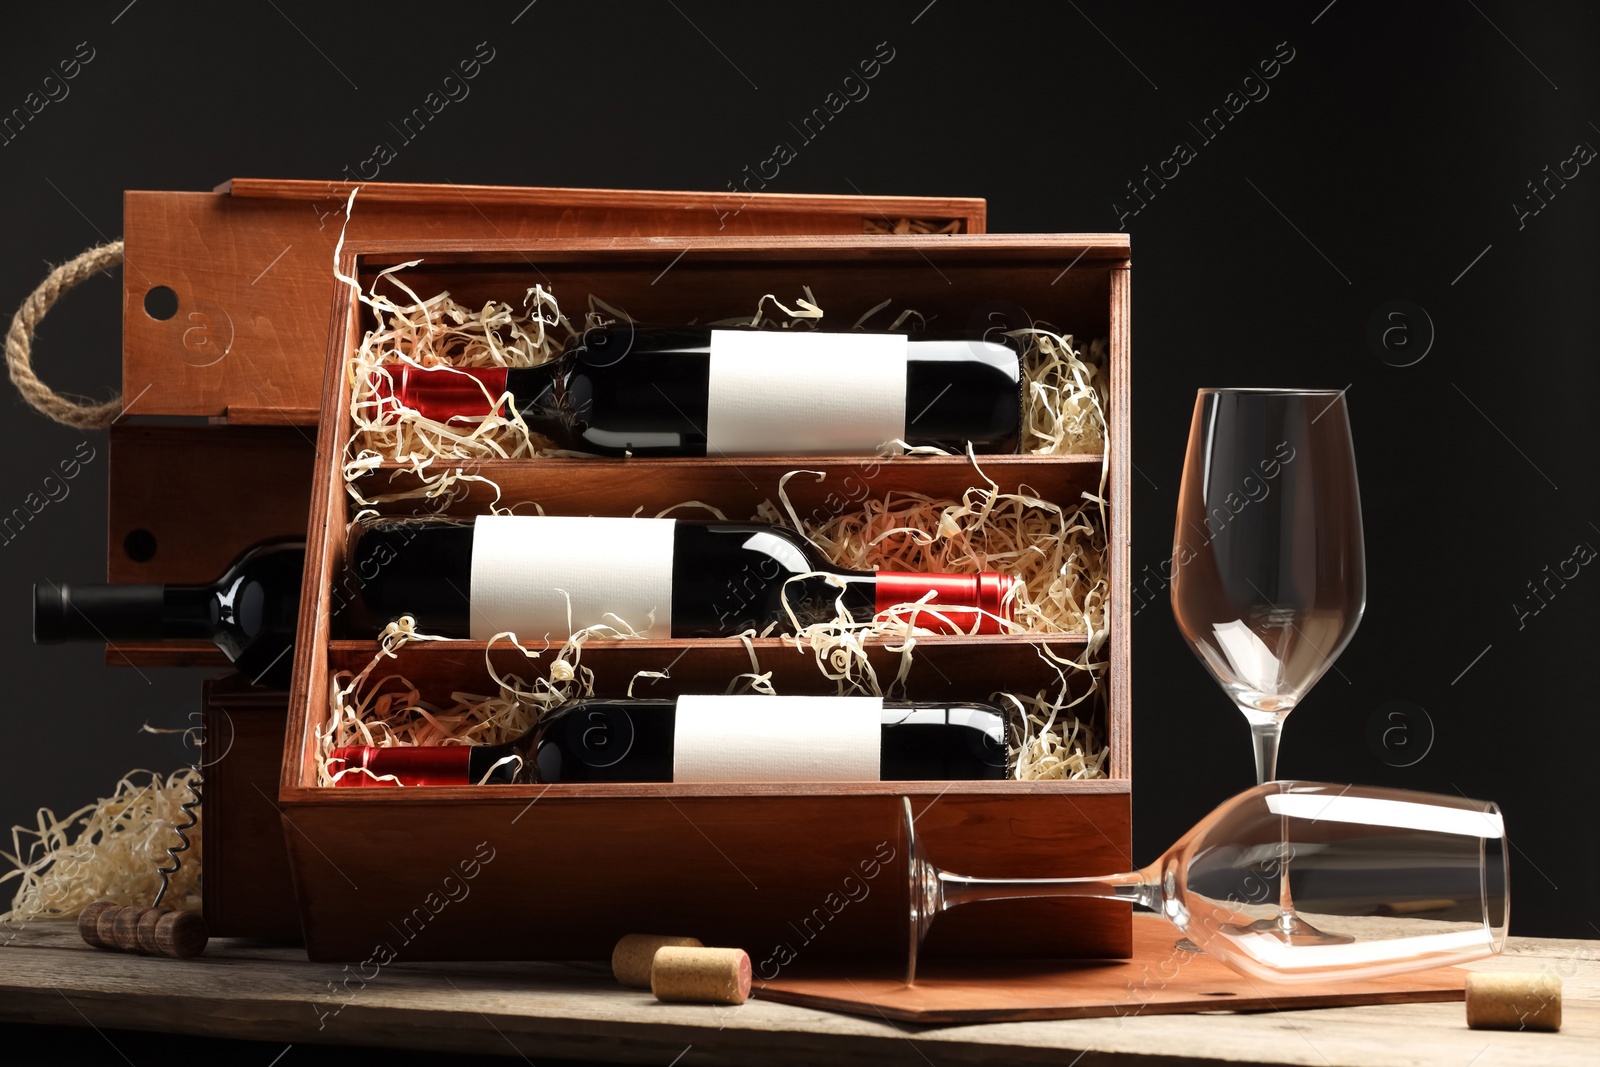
(191, 819)
(154, 931)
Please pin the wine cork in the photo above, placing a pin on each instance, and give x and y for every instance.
(706, 975)
(631, 959)
(181, 934)
(1513, 1000)
(87, 920)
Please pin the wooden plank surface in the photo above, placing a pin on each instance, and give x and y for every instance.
(541, 1011)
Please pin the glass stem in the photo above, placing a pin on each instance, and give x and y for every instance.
(1265, 731)
(1139, 887)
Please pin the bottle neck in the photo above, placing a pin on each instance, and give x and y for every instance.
(189, 611)
(959, 604)
(369, 765)
(446, 393)
(123, 612)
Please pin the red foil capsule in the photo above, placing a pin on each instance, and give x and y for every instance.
(440, 393)
(421, 765)
(958, 599)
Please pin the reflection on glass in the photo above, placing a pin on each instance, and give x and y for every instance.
(1398, 881)
(1268, 574)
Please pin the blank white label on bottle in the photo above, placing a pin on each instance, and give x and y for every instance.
(786, 391)
(546, 576)
(777, 739)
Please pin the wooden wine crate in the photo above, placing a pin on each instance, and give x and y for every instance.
(241, 358)
(561, 871)
(222, 409)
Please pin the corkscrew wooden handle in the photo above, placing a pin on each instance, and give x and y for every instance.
(148, 931)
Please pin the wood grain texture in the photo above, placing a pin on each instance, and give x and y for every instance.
(202, 494)
(942, 668)
(627, 204)
(563, 872)
(833, 486)
(745, 865)
(252, 270)
(247, 889)
(252, 267)
(555, 1011)
(1119, 461)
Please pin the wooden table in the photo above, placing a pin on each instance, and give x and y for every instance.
(542, 1011)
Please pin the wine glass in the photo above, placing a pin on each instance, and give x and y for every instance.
(1402, 880)
(1269, 573)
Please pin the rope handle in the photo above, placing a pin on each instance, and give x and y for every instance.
(81, 413)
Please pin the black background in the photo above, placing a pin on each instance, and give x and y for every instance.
(1383, 166)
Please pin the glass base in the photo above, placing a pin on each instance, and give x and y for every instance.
(1291, 930)
(1183, 944)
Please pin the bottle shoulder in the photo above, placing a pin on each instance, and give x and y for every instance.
(277, 563)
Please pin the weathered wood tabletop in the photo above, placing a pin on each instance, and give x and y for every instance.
(247, 990)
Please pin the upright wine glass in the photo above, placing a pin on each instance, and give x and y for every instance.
(1401, 880)
(1269, 575)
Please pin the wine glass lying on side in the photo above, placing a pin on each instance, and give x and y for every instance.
(1404, 880)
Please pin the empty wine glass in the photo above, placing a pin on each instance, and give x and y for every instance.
(1269, 572)
(1401, 880)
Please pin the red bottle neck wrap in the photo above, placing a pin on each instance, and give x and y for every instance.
(440, 393)
(957, 601)
(421, 765)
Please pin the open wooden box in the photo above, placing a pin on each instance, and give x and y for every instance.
(571, 868)
(223, 400)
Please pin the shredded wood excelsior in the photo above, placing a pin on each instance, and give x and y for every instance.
(1058, 553)
(880, 224)
(109, 850)
(1050, 740)
(1063, 410)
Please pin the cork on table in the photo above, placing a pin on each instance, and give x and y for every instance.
(246, 989)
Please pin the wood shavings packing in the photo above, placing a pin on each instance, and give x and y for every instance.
(373, 708)
(1058, 554)
(108, 850)
(1063, 384)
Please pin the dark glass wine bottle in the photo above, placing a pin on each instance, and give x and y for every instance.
(548, 576)
(694, 391)
(249, 613)
(711, 739)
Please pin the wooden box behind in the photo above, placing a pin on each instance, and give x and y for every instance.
(248, 266)
(245, 883)
(558, 872)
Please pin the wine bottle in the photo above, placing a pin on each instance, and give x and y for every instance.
(695, 391)
(543, 576)
(249, 613)
(711, 739)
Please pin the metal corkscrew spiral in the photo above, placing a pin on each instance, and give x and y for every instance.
(191, 819)
(155, 931)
